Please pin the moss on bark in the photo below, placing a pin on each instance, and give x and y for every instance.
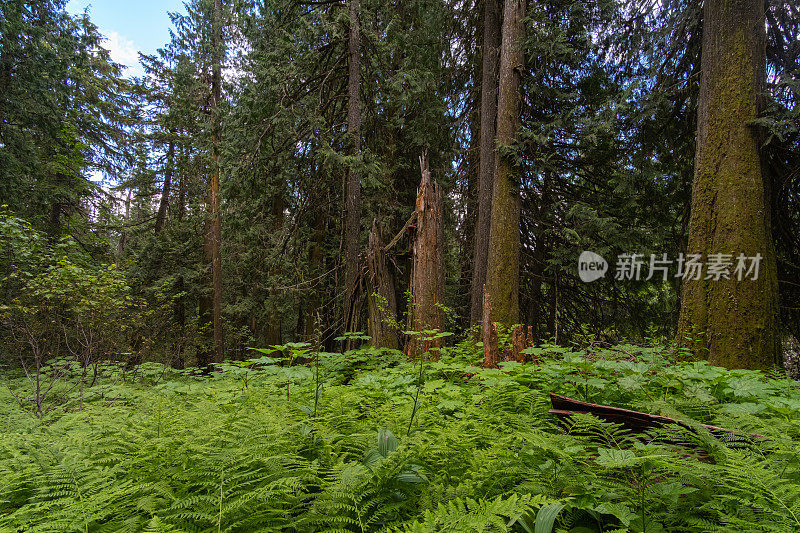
(731, 322)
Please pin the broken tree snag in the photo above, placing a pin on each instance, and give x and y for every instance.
(427, 270)
(491, 353)
(381, 302)
(518, 343)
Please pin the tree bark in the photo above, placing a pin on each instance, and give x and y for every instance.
(381, 301)
(161, 215)
(733, 323)
(502, 276)
(486, 158)
(314, 303)
(491, 351)
(353, 189)
(427, 271)
(273, 329)
(216, 229)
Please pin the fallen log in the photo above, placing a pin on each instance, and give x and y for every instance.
(564, 407)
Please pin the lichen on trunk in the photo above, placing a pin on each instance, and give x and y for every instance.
(733, 323)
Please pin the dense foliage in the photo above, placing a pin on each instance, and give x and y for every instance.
(603, 159)
(248, 448)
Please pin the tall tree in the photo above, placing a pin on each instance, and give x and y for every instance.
(733, 322)
(215, 222)
(352, 230)
(502, 276)
(486, 160)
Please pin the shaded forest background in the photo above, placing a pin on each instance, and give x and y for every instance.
(243, 146)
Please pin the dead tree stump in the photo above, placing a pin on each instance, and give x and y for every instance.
(427, 271)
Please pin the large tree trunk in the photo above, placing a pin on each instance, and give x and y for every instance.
(216, 230)
(352, 229)
(502, 276)
(731, 322)
(161, 215)
(382, 305)
(427, 271)
(486, 158)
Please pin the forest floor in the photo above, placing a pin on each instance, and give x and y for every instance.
(384, 446)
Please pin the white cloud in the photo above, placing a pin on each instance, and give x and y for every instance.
(123, 51)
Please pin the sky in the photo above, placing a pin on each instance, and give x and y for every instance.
(130, 26)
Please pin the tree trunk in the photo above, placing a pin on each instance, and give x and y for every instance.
(381, 302)
(352, 230)
(123, 236)
(313, 300)
(502, 276)
(734, 323)
(427, 270)
(216, 230)
(164, 202)
(491, 351)
(273, 328)
(486, 158)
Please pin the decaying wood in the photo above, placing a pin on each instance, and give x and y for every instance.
(381, 303)
(518, 343)
(564, 407)
(412, 219)
(427, 271)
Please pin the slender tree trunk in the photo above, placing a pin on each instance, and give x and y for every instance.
(274, 318)
(731, 322)
(180, 301)
(491, 351)
(486, 158)
(502, 276)
(381, 302)
(164, 202)
(427, 271)
(216, 223)
(352, 230)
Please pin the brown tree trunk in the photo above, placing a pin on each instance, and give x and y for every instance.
(123, 237)
(164, 202)
(180, 301)
(352, 229)
(518, 343)
(216, 230)
(381, 302)
(486, 158)
(313, 307)
(273, 329)
(427, 271)
(491, 351)
(733, 323)
(502, 276)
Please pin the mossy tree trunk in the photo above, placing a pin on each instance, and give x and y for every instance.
(216, 222)
(486, 164)
(502, 276)
(734, 323)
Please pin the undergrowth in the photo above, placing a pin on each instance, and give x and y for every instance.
(249, 449)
